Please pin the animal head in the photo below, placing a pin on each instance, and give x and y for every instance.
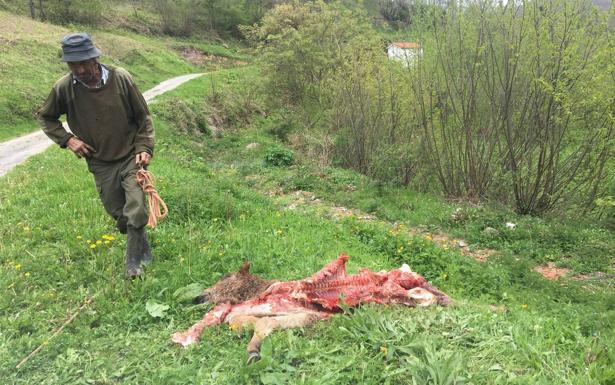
(235, 287)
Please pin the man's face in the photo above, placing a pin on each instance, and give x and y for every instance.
(86, 71)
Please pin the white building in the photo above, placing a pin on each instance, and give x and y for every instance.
(405, 52)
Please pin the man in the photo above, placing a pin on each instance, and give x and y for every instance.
(112, 129)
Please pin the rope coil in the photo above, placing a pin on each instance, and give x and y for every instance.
(157, 208)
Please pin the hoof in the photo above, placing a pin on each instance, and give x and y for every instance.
(253, 357)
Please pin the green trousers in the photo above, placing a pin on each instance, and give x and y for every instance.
(119, 192)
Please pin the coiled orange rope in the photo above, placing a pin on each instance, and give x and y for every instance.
(157, 208)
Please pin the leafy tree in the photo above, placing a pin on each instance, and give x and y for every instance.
(300, 45)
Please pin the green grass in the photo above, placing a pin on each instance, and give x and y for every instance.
(509, 326)
(30, 64)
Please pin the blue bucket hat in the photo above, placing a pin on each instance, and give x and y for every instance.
(78, 47)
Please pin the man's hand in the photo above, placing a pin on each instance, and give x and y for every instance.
(143, 158)
(79, 147)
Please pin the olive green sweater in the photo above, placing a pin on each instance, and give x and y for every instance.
(114, 119)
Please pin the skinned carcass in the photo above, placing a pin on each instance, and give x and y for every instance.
(271, 305)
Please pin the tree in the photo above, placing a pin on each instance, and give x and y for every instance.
(32, 9)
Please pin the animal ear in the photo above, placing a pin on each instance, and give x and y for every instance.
(245, 268)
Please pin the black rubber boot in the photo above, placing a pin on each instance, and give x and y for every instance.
(147, 252)
(122, 224)
(134, 252)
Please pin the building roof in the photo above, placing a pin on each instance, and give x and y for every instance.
(406, 44)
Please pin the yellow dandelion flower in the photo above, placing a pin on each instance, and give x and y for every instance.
(89, 241)
(93, 246)
(111, 238)
(26, 228)
(107, 242)
(26, 274)
(17, 266)
(524, 306)
(79, 237)
(98, 241)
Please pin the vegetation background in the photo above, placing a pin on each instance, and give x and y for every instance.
(487, 158)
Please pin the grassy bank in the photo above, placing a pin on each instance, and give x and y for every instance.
(30, 63)
(58, 248)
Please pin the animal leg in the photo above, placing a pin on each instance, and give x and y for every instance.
(443, 299)
(265, 325)
(213, 317)
(242, 322)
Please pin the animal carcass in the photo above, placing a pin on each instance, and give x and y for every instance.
(270, 305)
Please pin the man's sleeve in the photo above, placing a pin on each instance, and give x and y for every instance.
(49, 118)
(144, 140)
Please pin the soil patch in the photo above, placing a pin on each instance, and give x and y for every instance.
(551, 272)
(197, 57)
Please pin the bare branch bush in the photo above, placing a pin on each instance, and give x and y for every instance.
(509, 95)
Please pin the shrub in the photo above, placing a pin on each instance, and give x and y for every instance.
(188, 118)
(279, 125)
(279, 157)
(81, 12)
(299, 46)
(230, 109)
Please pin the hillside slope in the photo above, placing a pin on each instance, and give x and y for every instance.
(228, 204)
(30, 53)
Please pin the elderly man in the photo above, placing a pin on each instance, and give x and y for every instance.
(112, 129)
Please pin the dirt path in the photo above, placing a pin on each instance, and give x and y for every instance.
(305, 201)
(16, 151)
(302, 200)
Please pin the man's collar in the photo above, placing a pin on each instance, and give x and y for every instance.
(104, 75)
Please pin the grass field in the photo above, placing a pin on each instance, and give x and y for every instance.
(509, 326)
(30, 64)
